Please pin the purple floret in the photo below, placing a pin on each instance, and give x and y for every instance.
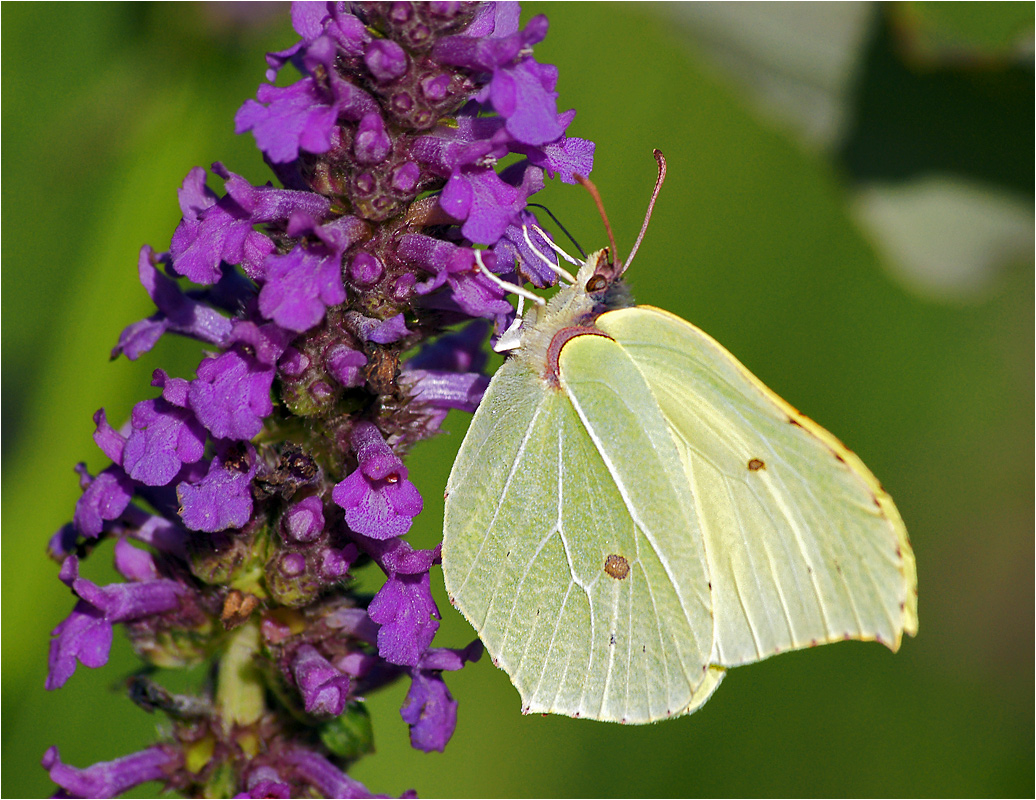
(176, 312)
(303, 283)
(111, 778)
(378, 499)
(104, 499)
(324, 689)
(231, 394)
(86, 634)
(429, 709)
(324, 776)
(164, 438)
(223, 498)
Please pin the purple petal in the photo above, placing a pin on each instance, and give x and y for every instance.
(288, 119)
(222, 499)
(346, 365)
(462, 351)
(390, 330)
(396, 557)
(174, 390)
(266, 342)
(112, 778)
(265, 781)
(133, 563)
(372, 143)
(565, 158)
(111, 442)
(408, 617)
(84, 635)
(164, 438)
(460, 390)
(375, 457)
(324, 689)
(220, 232)
(377, 508)
(231, 395)
(524, 94)
(325, 776)
(444, 658)
(104, 499)
(300, 286)
(430, 711)
(176, 312)
(386, 60)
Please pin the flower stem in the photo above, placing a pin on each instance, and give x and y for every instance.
(240, 692)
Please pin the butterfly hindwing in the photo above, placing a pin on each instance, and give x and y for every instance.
(803, 544)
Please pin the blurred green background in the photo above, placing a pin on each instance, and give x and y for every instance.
(849, 210)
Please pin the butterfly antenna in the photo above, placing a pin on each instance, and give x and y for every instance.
(564, 230)
(651, 207)
(596, 195)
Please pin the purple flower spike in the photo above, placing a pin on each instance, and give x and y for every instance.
(324, 689)
(223, 498)
(248, 498)
(378, 499)
(111, 778)
(408, 617)
(325, 776)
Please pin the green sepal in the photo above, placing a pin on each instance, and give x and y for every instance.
(349, 735)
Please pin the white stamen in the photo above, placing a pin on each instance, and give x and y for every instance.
(557, 270)
(518, 290)
(511, 339)
(555, 247)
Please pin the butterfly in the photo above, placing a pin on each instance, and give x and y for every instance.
(632, 513)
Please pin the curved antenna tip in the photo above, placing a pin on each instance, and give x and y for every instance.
(660, 160)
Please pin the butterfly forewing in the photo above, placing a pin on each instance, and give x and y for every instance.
(558, 547)
(803, 545)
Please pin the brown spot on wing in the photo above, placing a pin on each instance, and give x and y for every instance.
(616, 566)
(756, 464)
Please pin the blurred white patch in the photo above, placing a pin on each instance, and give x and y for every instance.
(796, 60)
(944, 237)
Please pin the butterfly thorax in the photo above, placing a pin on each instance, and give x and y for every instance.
(570, 313)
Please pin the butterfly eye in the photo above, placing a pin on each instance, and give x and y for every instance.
(596, 283)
